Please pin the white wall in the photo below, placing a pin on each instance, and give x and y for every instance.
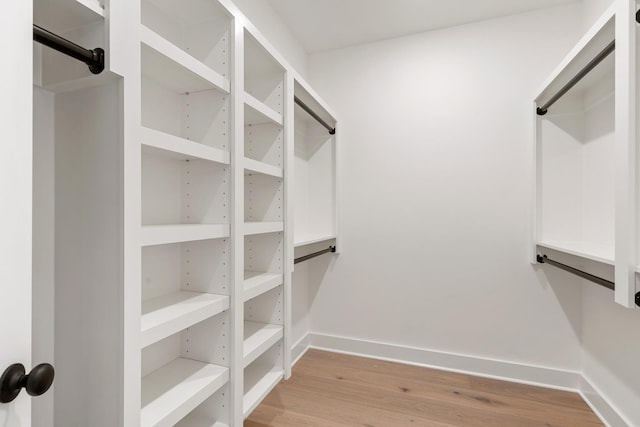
(262, 15)
(435, 193)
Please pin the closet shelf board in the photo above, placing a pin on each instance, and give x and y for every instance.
(61, 15)
(168, 314)
(259, 113)
(592, 251)
(258, 382)
(593, 42)
(195, 419)
(180, 148)
(256, 283)
(165, 234)
(171, 392)
(309, 240)
(169, 66)
(251, 228)
(255, 166)
(258, 338)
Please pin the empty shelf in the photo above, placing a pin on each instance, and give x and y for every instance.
(258, 382)
(198, 420)
(256, 283)
(262, 227)
(255, 166)
(310, 240)
(258, 338)
(180, 148)
(166, 315)
(259, 113)
(62, 15)
(164, 234)
(181, 59)
(592, 251)
(174, 390)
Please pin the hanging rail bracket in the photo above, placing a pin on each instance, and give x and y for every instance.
(94, 58)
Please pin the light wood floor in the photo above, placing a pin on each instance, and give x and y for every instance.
(333, 390)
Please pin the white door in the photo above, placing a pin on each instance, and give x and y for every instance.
(15, 200)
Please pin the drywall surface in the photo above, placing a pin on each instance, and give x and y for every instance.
(435, 193)
(267, 21)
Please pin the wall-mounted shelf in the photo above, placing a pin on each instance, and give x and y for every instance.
(61, 15)
(174, 390)
(257, 283)
(259, 380)
(591, 251)
(164, 316)
(168, 59)
(164, 234)
(254, 166)
(180, 148)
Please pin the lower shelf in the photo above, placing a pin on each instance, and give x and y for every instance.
(258, 338)
(593, 251)
(259, 380)
(195, 420)
(177, 388)
(256, 283)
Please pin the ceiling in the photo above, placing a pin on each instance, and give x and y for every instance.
(331, 24)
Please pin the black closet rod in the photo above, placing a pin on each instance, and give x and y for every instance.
(581, 74)
(315, 254)
(599, 280)
(305, 107)
(93, 58)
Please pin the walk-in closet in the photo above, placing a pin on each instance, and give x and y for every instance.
(226, 213)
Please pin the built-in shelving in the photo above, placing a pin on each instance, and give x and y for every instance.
(259, 380)
(591, 251)
(174, 390)
(254, 166)
(62, 15)
(180, 148)
(164, 234)
(256, 112)
(164, 316)
(251, 228)
(256, 283)
(258, 338)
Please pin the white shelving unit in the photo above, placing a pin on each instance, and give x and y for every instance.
(583, 176)
(168, 213)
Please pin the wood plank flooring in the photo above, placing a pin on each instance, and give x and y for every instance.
(336, 390)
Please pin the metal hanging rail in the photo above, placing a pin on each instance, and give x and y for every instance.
(315, 254)
(599, 280)
(305, 107)
(93, 58)
(581, 74)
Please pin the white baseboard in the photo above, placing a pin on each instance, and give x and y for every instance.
(600, 405)
(496, 369)
(299, 349)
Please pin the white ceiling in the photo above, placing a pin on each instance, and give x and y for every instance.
(330, 24)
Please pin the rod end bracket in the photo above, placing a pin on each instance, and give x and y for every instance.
(638, 16)
(541, 111)
(638, 299)
(332, 131)
(96, 66)
(540, 259)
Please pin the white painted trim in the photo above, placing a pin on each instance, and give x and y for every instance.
(300, 348)
(600, 405)
(539, 376)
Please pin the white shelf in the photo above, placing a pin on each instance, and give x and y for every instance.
(174, 390)
(310, 240)
(258, 382)
(61, 15)
(257, 283)
(183, 59)
(591, 251)
(258, 338)
(198, 420)
(259, 113)
(251, 228)
(180, 148)
(255, 166)
(164, 234)
(168, 314)
(162, 63)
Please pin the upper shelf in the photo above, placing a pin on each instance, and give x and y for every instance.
(601, 34)
(180, 148)
(165, 234)
(60, 16)
(259, 113)
(252, 166)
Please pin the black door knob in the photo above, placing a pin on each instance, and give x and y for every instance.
(36, 382)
